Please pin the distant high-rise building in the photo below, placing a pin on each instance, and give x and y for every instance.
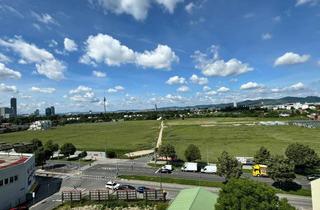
(36, 112)
(13, 104)
(235, 104)
(53, 112)
(48, 111)
(5, 112)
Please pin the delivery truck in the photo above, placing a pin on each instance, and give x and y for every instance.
(190, 167)
(209, 169)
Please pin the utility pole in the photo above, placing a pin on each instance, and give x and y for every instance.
(104, 104)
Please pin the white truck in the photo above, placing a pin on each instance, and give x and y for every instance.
(209, 169)
(190, 167)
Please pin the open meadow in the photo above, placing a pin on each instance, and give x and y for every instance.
(238, 136)
(122, 136)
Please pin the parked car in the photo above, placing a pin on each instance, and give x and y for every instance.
(126, 187)
(164, 171)
(313, 177)
(142, 189)
(112, 185)
(169, 167)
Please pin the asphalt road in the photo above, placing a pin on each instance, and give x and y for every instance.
(140, 168)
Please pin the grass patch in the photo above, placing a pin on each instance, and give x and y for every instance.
(173, 180)
(121, 136)
(238, 136)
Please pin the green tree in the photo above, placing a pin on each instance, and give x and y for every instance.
(249, 195)
(36, 144)
(262, 156)
(302, 156)
(167, 150)
(51, 147)
(192, 153)
(228, 167)
(40, 156)
(281, 170)
(83, 154)
(67, 149)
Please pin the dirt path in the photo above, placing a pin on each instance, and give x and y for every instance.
(159, 142)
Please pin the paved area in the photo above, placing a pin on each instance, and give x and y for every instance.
(139, 153)
(159, 142)
(87, 182)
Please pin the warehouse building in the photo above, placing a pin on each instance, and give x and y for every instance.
(16, 178)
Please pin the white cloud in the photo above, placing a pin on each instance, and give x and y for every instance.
(174, 98)
(291, 58)
(223, 89)
(104, 48)
(136, 8)
(198, 80)
(189, 7)
(218, 67)
(297, 86)
(170, 5)
(8, 88)
(83, 94)
(46, 64)
(251, 86)
(80, 89)
(160, 58)
(70, 45)
(292, 88)
(302, 2)
(175, 80)
(206, 88)
(4, 58)
(44, 18)
(266, 36)
(183, 88)
(116, 89)
(99, 74)
(43, 90)
(211, 93)
(6, 73)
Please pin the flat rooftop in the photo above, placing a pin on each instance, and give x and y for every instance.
(12, 159)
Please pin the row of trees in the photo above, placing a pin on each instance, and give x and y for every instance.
(44, 152)
(192, 153)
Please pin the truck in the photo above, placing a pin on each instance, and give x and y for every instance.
(209, 169)
(259, 170)
(190, 167)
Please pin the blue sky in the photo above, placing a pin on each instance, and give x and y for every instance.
(138, 53)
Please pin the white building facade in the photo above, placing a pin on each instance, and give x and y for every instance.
(17, 176)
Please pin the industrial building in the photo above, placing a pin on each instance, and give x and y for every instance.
(17, 173)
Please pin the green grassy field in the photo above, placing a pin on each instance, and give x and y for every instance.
(121, 136)
(235, 135)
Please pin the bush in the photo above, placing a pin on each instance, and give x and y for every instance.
(111, 154)
(247, 194)
(192, 153)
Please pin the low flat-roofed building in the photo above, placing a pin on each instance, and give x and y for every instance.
(16, 178)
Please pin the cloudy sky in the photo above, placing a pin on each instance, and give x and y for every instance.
(138, 53)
